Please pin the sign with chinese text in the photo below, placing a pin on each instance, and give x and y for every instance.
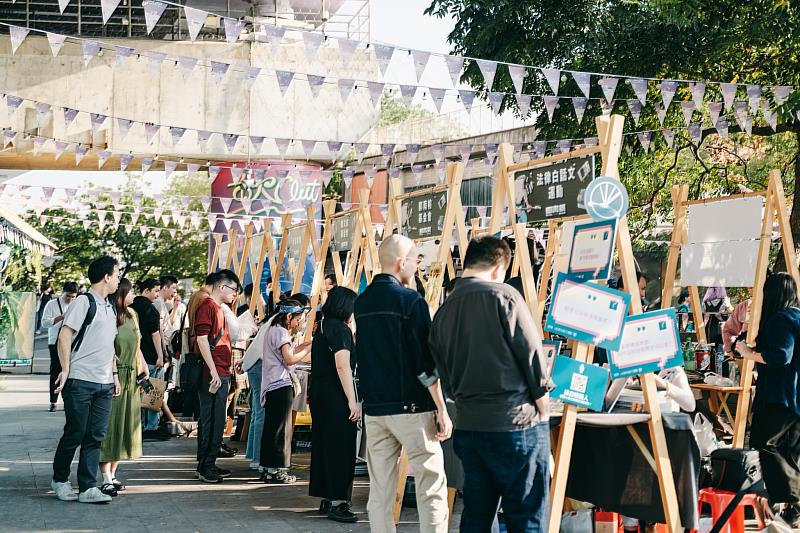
(581, 384)
(650, 343)
(552, 191)
(592, 250)
(342, 228)
(587, 312)
(423, 215)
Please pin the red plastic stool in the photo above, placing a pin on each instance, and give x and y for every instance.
(718, 500)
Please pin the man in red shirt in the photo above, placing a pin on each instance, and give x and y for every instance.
(213, 343)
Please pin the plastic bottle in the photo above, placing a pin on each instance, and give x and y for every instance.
(688, 356)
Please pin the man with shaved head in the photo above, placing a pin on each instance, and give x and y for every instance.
(403, 403)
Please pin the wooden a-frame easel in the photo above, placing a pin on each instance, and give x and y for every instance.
(309, 238)
(774, 202)
(609, 129)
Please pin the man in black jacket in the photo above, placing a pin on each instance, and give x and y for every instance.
(403, 402)
(486, 347)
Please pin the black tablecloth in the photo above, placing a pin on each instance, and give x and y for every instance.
(609, 470)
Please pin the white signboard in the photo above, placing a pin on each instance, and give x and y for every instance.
(732, 220)
(650, 343)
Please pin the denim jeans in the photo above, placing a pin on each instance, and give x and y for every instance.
(256, 414)
(150, 418)
(87, 408)
(512, 466)
(211, 427)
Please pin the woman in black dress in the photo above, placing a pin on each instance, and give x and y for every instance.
(334, 408)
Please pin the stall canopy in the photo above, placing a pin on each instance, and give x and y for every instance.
(14, 230)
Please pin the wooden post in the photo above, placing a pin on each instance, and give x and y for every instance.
(256, 304)
(318, 289)
(231, 248)
(212, 267)
(286, 222)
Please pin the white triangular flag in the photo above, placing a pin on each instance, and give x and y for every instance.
(695, 132)
(80, 153)
(283, 146)
(124, 126)
(496, 100)
(102, 157)
(169, 168)
(361, 149)
(257, 142)
(488, 69)
(584, 81)
(553, 77)
(18, 35)
(698, 90)
(609, 87)
(455, 64)
(465, 151)
(781, 93)
(38, 143)
(437, 95)
(728, 94)
(639, 87)
(176, 134)
(117, 218)
(123, 53)
(274, 36)
(150, 132)
(375, 89)
(408, 92)
(195, 20)
(203, 136)
(312, 42)
(42, 109)
(523, 104)
(128, 228)
(517, 73)
(90, 49)
(315, 83)
(226, 205)
(107, 8)
(345, 88)
(467, 98)
(714, 111)
(419, 59)
(186, 65)
(383, 55)
(147, 162)
(230, 140)
(62, 5)
(56, 42)
(416, 170)
(218, 70)
(154, 60)
(754, 97)
(550, 103)
(579, 104)
(152, 13)
(308, 147)
(327, 175)
(284, 78)
(438, 151)
(346, 49)
(233, 29)
(668, 89)
(688, 109)
(644, 139)
(213, 171)
(661, 112)
(192, 168)
(740, 113)
(124, 161)
(669, 136)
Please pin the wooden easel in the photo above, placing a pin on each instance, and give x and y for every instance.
(774, 202)
(309, 239)
(609, 129)
(318, 290)
(364, 246)
(267, 253)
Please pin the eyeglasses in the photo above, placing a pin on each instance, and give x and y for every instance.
(233, 289)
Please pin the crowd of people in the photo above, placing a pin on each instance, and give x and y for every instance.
(379, 358)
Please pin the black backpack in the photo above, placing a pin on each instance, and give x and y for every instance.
(90, 314)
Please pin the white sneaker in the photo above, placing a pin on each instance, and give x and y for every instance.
(63, 491)
(93, 495)
(255, 466)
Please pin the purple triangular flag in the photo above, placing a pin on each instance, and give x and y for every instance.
(195, 20)
(308, 147)
(213, 171)
(420, 59)
(327, 175)
(688, 110)
(455, 64)
(467, 98)
(203, 136)
(80, 153)
(107, 8)
(579, 104)
(639, 87)
(150, 131)
(722, 126)
(408, 92)
(668, 89)
(315, 83)
(186, 66)
(609, 87)
(257, 142)
(669, 136)
(41, 111)
(695, 132)
(230, 140)
(152, 13)
(728, 94)
(274, 36)
(218, 69)
(714, 111)
(438, 151)
(754, 97)
(347, 48)
(361, 149)
(13, 103)
(233, 29)
(488, 69)
(550, 103)
(437, 95)
(97, 120)
(661, 112)
(345, 88)
(375, 89)
(412, 151)
(124, 161)
(698, 90)
(38, 143)
(123, 53)
(56, 42)
(563, 146)
(60, 147)
(387, 149)
(781, 93)
(383, 55)
(90, 49)
(644, 139)
(176, 134)
(283, 146)
(147, 162)
(517, 73)
(236, 172)
(333, 148)
(169, 168)
(394, 172)
(553, 77)
(416, 170)
(102, 157)
(312, 42)
(465, 151)
(523, 104)
(251, 73)
(584, 80)
(284, 78)
(496, 100)
(18, 35)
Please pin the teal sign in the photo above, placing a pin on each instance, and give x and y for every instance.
(581, 384)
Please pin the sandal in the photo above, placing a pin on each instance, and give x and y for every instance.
(118, 485)
(281, 477)
(109, 489)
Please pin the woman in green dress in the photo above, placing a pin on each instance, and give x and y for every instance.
(124, 437)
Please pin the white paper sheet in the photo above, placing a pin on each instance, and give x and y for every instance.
(720, 264)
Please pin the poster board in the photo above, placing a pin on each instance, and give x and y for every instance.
(578, 383)
(16, 349)
(423, 215)
(296, 239)
(592, 250)
(650, 343)
(552, 190)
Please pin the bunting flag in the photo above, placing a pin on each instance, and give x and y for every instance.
(698, 90)
(284, 78)
(274, 36)
(553, 78)
(218, 70)
(312, 42)
(668, 89)
(203, 137)
(408, 92)
(147, 162)
(283, 146)
(315, 84)
(394, 172)
(488, 69)
(609, 87)
(250, 73)
(18, 35)
(420, 59)
(563, 146)
(781, 93)
(152, 13)
(438, 152)
(80, 153)
(661, 112)
(247, 204)
(722, 126)
(496, 100)
(62, 5)
(124, 161)
(226, 205)
(523, 104)
(308, 147)
(728, 94)
(639, 87)
(61, 146)
(770, 117)
(375, 89)
(97, 120)
(579, 104)
(455, 64)
(387, 149)
(42, 109)
(102, 157)
(465, 151)
(490, 149)
(347, 48)
(230, 140)
(467, 98)
(550, 103)
(150, 131)
(333, 149)
(38, 143)
(176, 134)
(213, 171)
(606, 107)
(370, 174)
(345, 88)
(412, 151)
(754, 97)
(13, 103)
(740, 113)
(347, 177)
(517, 74)
(695, 132)
(123, 53)
(257, 143)
(584, 81)
(56, 42)
(233, 29)
(644, 139)
(416, 170)
(236, 173)
(192, 169)
(186, 66)
(107, 7)
(714, 111)
(195, 20)
(688, 109)
(383, 55)
(90, 50)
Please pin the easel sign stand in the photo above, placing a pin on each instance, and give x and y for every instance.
(309, 238)
(775, 202)
(609, 129)
(266, 253)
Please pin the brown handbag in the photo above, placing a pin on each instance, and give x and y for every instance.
(153, 399)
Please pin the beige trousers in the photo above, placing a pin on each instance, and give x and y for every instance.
(416, 433)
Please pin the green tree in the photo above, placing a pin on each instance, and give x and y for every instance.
(754, 42)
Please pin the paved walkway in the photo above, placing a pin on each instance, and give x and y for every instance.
(162, 494)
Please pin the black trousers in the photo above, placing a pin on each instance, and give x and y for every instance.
(776, 435)
(87, 407)
(333, 443)
(55, 370)
(211, 426)
(276, 445)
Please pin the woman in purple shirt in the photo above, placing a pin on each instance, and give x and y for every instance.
(277, 392)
